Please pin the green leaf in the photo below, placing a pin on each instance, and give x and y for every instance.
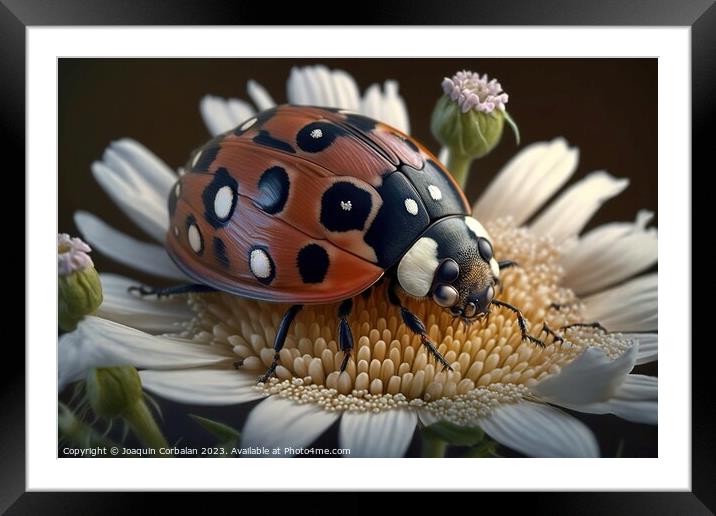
(223, 433)
(455, 434)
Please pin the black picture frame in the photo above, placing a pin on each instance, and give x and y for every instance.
(17, 15)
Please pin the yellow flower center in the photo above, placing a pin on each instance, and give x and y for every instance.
(390, 367)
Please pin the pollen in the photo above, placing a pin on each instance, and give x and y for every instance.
(389, 366)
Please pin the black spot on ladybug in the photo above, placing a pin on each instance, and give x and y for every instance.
(344, 207)
(399, 222)
(273, 190)
(193, 234)
(408, 142)
(205, 157)
(360, 122)
(220, 252)
(317, 136)
(440, 196)
(264, 138)
(485, 248)
(220, 197)
(261, 264)
(312, 263)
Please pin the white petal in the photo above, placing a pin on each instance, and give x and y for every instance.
(567, 216)
(371, 104)
(639, 387)
(98, 342)
(527, 181)
(385, 434)
(203, 386)
(240, 111)
(298, 90)
(346, 89)
(260, 96)
(320, 86)
(589, 378)
(324, 87)
(394, 110)
(147, 314)
(648, 347)
(631, 306)
(539, 430)
(427, 417)
(221, 115)
(610, 254)
(388, 107)
(138, 182)
(145, 164)
(636, 401)
(281, 423)
(121, 248)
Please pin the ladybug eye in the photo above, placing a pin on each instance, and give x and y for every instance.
(445, 296)
(448, 271)
(485, 249)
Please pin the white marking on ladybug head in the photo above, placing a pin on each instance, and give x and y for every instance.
(316, 134)
(177, 190)
(435, 193)
(223, 201)
(477, 229)
(416, 269)
(346, 205)
(247, 124)
(176, 231)
(411, 206)
(196, 159)
(194, 238)
(260, 263)
(495, 268)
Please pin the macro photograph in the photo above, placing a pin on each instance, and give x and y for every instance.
(357, 257)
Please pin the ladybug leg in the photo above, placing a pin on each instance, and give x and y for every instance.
(283, 327)
(549, 331)
(415, 325)
(345, 336)
(595, 324)
(160, 292)
(520, 321)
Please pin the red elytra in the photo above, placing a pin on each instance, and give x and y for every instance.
(305, 205)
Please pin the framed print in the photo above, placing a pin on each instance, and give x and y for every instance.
(273, 255)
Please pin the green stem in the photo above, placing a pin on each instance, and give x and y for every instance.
(142, 423)
(485, 449)
(434, 447)
(459, 166)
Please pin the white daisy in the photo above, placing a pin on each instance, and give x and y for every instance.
(186, 350)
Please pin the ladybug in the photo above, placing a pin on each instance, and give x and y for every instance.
(308, 205)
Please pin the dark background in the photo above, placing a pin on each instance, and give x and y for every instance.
(606, 107)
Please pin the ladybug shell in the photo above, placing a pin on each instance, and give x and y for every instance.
(305, 205)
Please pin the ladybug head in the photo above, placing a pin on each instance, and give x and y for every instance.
(453, 263)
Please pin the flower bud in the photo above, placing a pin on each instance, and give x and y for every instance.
(79, 287)
(117, 392)
(469, 118)
(113, 391)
